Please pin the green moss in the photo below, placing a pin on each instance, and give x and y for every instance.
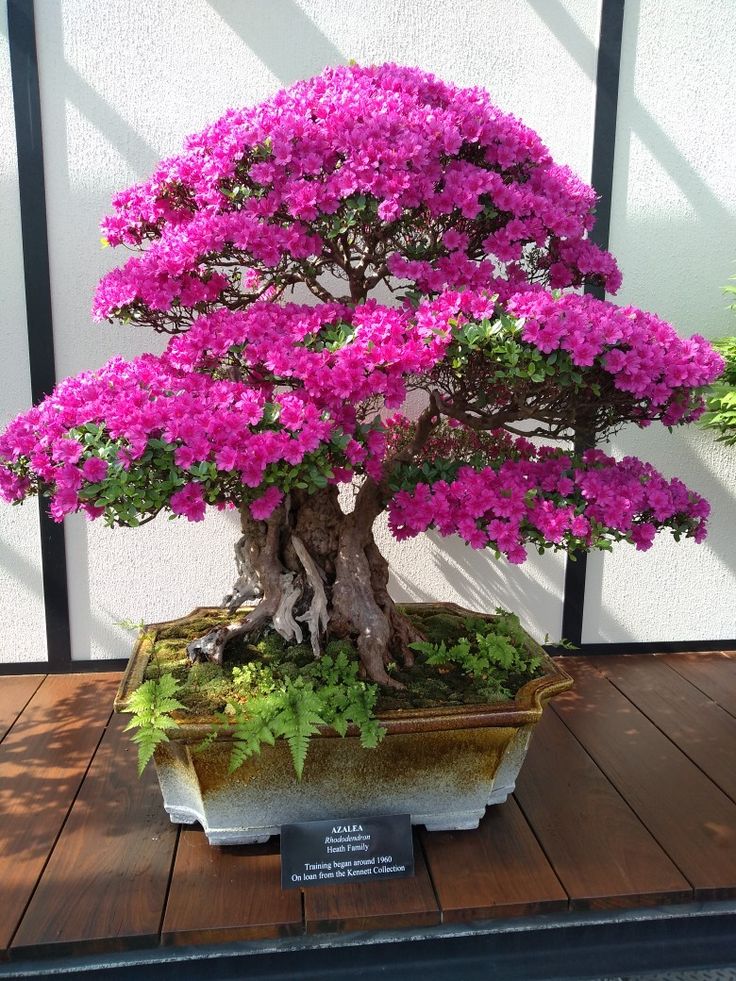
(207, 688)
(441, 626)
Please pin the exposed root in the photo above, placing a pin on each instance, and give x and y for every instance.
(283, 619)
(403, 633)
(354, 602)
(247, 587)
(316, 617)
(312, 566)
(210, 647)
(263, 551)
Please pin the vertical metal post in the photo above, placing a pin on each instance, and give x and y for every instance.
(604, 144)
(28, 135)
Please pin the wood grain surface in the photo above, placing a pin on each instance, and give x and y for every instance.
(390, 904)
(498, 870)
(43, 761)
(224, 894)
(602, 853)
(15, 693)
(105, 884)
(693, 821)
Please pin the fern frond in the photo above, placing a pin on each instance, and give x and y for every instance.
(207, 741)
(151, 706)
(298, 719)
(371, 734)
(147, 740)
(249, 734)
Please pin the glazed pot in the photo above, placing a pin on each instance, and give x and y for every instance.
(443, 766)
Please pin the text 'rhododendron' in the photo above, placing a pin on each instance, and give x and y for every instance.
(262, 249)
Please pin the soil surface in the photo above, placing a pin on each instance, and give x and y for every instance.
(206, 688)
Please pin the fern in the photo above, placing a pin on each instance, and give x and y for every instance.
(254, 677)
(493, 652)
(151, 706)
(346, 700)
(205, 744)
(251, 729)
(270, 703)
(329, 692)
(297, 720)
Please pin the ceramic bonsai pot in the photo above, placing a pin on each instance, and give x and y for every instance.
(443, 766)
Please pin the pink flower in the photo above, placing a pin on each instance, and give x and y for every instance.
(263, 507)
(455, 241)
(189, 502)
(94, 469)
(67, 450)
(643, 536)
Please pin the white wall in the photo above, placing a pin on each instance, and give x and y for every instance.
(674, 233)
(123, 82)
(22, 629)
(115, 99)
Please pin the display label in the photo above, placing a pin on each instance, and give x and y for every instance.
(322, 853)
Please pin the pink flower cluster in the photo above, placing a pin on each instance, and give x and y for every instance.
(293, 392)
(289, 345)
(266, 180)
(645, 355)
(245, 394)
(549, 499)
(365, 174)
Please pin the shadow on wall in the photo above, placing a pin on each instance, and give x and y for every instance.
(709, 469)
(708, 210)
(282, 35)
(478, 581)
(131, 145)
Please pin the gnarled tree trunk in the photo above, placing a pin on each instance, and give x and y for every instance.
(314, 570)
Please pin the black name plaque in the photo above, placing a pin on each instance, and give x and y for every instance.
(321, 853)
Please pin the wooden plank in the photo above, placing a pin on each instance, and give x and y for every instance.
(42, 762)
(704, 731)
(713, 674)
(383, 905)
(105, 884)
(15, 693)
(498, 870)
(692, 819)
(224, 894)
(602, 853)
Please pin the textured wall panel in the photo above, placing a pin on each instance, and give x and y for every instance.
(674, 233)
(22, 630)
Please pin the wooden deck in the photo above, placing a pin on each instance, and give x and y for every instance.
(627, 799)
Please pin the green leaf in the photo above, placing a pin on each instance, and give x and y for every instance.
(297, 720)
(151, 705)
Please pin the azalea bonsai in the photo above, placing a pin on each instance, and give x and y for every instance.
(369, 280)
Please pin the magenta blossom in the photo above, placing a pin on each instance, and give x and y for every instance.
(337, 189)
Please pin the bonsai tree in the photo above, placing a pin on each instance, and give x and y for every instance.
(367, 241)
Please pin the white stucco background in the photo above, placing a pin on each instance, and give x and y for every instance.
(122, 83)
(21, 591)
(673, 230)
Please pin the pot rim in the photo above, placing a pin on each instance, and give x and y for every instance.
(526, 706)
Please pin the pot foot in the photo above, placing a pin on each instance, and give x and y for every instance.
(451, 822)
